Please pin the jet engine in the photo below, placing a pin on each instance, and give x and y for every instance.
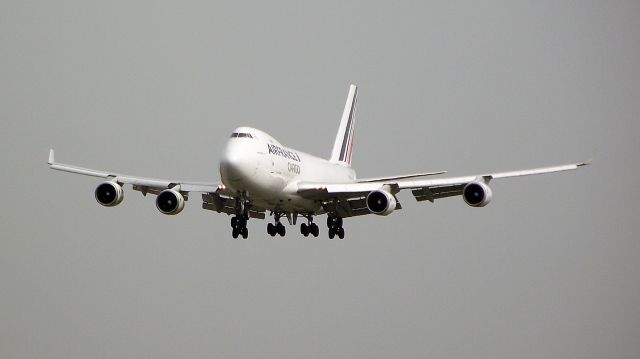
(477, 194)
(170, 202)
(381, 202)
(109, 194)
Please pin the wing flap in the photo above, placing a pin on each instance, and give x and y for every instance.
(231, 211)
(344, 207)
(220, 204)
(433, 193)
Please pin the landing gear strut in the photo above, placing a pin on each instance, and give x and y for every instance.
(335, 227)
(310, 228)
(277, 227)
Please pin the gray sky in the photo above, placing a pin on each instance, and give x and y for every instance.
(550, 269)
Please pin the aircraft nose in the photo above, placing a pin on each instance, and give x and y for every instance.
(236, 164)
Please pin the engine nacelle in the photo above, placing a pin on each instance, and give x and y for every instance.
(381, 202)
(109, 194)
(170, 202)
(477, 194)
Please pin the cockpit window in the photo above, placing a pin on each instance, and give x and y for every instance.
(241, 134)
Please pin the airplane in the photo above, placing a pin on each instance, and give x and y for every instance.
(259, 175)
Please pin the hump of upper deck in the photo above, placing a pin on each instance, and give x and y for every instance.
(244, 131)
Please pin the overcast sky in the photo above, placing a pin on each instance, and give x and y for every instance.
(550, 269)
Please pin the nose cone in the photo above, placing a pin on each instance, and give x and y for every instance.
(238, 164)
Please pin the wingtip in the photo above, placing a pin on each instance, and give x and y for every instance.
(52, 159)
(585, 163)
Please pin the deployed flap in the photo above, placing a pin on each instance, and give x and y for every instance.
(223, 204)
(349, 207)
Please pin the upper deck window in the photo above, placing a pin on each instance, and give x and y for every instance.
(241, 134)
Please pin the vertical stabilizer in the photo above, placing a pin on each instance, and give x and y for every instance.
(343, 146)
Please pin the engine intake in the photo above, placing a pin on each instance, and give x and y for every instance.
(109, 194)
(381, 202)
(477, 194)
(170, 202)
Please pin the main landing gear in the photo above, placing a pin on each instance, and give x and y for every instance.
(277, 228)
(310, 228)
(335, 227)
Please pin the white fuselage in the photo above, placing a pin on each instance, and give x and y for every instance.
(267, 173)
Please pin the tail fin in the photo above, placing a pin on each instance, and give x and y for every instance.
(343, 146)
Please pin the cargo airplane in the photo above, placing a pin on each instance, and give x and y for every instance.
(259, 175)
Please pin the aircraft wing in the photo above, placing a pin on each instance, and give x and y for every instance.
(142, 184)
(349, 199)
(215, 196)
(386, 179)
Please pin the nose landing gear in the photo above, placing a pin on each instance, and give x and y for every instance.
(239, 221)
(239, 225)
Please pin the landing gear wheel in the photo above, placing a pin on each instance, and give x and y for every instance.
(304, 229)
(271, 229)
(239, 220)
(281, 230)
(310, 228)
(335, 227)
